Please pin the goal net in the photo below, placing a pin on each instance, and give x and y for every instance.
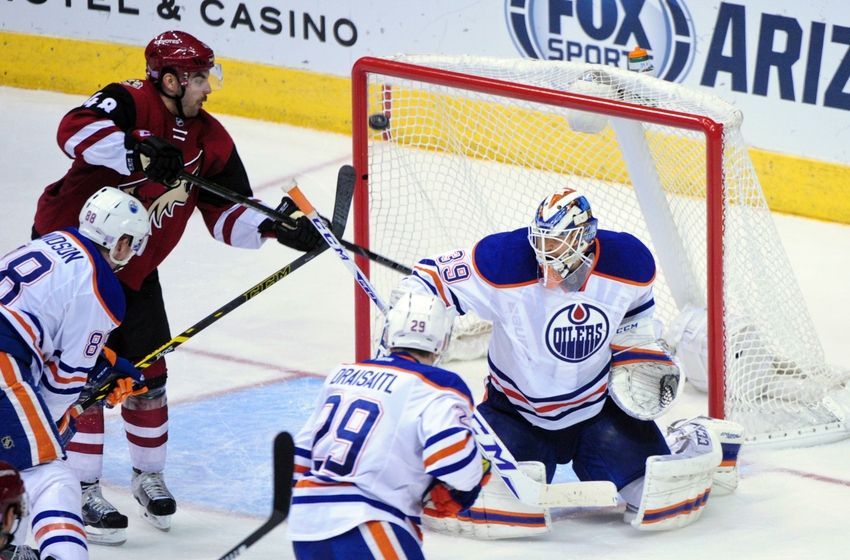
(473, 144)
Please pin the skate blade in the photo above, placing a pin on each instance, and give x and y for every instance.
(161, 522)
(106, 537)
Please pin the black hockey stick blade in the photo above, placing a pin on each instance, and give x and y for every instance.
(283, 456)
(345, 181)
(284, 465)
(347, 176)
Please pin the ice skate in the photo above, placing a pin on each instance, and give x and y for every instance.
(12, 552)
(104, 523)
(156, 504)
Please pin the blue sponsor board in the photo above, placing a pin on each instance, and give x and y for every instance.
(604, 31)
(751, 49)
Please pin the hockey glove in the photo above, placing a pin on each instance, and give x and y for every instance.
(112, 380)
(444, 501)
(66, 427)
(156, 158)
(295, 231)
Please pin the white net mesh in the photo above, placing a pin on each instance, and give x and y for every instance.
(455, 165)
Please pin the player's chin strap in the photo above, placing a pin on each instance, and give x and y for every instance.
(178, 99)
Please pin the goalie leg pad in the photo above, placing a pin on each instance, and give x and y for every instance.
(676, 487)
(731, 436)
(496, 513)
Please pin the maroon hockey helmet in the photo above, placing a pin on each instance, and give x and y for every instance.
(180, 53)
(11, 496)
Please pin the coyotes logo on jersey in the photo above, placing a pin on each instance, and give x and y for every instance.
(161, 200)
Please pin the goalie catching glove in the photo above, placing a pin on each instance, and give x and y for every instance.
(156, 158)
(295, 230)
(644, 381)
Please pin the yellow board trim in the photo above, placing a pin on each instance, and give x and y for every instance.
(792, 185)
(256, 91)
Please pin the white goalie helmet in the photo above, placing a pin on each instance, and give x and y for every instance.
(418, 321)
(110, 214)
(561, 233)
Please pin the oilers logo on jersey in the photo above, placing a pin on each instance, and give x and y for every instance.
(576, 332)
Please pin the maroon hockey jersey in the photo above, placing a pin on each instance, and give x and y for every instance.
(93, 136)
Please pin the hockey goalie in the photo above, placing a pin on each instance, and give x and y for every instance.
(577, 373)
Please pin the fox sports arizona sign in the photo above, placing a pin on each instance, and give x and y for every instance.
(604, 31)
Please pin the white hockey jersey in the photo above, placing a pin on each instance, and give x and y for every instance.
(382, 430)
(59, 300)
(550, 350)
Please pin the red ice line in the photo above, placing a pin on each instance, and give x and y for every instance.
(288, 374)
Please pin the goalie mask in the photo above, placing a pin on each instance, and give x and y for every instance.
(561, 234)
(110, 214)
(11, 501)
(418, 322)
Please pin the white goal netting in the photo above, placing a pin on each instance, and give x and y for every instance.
(460, 160)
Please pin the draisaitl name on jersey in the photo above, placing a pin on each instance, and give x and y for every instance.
(369, 378)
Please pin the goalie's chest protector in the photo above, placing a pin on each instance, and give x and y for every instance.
(550, 350)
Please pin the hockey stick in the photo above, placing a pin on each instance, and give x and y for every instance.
(529, 491)
(380, 259)
(526, 489)
(237, 198)
(342, 206)
(304, 205)
(283, 457)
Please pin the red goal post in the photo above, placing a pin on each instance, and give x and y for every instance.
(455, 121)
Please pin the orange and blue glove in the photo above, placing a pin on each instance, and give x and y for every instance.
(113, 379)
(444, 501)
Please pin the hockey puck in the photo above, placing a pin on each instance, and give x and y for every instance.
(379, 121)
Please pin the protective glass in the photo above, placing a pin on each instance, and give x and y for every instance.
(216, 77)
(198, 78)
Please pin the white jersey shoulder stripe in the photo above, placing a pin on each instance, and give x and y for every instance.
(95, 289)
(87, 131)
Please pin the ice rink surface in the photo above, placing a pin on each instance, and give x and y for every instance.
(255, 372)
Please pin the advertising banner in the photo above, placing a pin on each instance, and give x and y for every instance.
(785, 63)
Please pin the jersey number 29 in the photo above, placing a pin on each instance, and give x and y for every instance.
(348, 431)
